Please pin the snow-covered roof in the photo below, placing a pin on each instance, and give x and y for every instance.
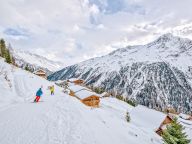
(77, 88)
(39, 71)
(184, 116)
(145, 117)
(60, 81)
(104, 93)
(186, 122)
(82, 94)
(73, 79)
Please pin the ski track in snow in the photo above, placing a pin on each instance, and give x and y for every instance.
(59, 118)
(49, 126)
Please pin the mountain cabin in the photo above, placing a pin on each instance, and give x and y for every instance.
(167, 121)
(76, 81)
(41, 73)
(88, 98)
(85, 95)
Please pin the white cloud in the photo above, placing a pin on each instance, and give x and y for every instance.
(74, 30)
(94, 9)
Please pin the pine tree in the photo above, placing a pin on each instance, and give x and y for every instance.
(174, 134)
(8, 56)
(27, 68)
(13, 61)
(128, 118)
(2, 48)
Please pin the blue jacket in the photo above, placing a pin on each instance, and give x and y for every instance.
(39, 92)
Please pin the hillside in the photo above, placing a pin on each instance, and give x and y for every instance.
(64, 119)
(34, 61)
(59, 118)
(156, 75)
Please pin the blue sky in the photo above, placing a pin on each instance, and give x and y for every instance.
(16, 32)
(75, 30)
(115, 6)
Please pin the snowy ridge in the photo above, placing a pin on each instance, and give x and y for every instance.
(156, 75)
(24, 58)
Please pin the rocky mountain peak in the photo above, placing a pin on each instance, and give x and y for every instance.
(155, 75)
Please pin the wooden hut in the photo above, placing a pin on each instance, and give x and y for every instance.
(76, 81)
(92, 101)
(168, 120)
(85, 95)
(41, 73)
(72, 93)
(170, 110)
(77, 88)
(88, 98)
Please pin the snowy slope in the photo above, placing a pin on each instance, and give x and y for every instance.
(157, 75)
(149, 119)
(61, 119)
(36, 61)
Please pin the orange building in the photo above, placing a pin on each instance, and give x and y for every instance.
(76, 81)
(41, 73)
(168, 120)
(85, 95)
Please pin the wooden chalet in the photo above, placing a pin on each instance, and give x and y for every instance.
(85, 95)
(170, 110)
(168, 120)
(72, 93)
(88, 98)
(76, 81)
(74, 89)
(41, 73)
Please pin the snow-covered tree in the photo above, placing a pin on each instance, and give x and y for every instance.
(8, 56)
(27, 68)
(2, 48)
(128, 118)
(174, 134)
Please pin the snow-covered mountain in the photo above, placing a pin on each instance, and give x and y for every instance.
(184, 30)
(34, 61)
(157, 75)
(62, 119)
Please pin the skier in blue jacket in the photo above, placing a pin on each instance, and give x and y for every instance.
(38, 94)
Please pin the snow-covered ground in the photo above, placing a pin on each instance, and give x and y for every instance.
(61, 119)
